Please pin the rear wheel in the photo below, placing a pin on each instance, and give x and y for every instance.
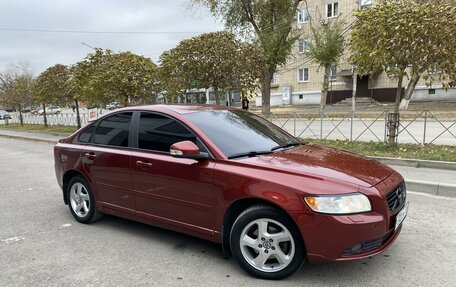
(82, 201)
(266, 243)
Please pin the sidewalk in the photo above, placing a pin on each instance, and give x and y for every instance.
(429, 180)
(440, 180)
(43, 137)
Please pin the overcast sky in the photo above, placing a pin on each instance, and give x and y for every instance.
(173, 19)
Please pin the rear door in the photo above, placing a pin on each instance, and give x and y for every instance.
(106, 160)
(174, 191)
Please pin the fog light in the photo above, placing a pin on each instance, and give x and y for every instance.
(356, 248)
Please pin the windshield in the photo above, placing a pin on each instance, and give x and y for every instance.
(236, 132)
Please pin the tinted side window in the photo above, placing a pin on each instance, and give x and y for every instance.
(85, 136)
(158, 132)
(113, 130)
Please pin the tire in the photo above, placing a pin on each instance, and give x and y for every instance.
(266, 243)
(82, 201)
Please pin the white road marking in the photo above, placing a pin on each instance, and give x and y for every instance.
(65, 225)
(13, 239)
(16, 153)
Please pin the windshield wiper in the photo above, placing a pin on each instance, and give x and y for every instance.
(249, 154)
(287, 145)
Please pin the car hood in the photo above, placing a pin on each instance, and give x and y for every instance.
(325, 162)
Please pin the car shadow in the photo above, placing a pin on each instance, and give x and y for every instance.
(176, 240)
(325, 273)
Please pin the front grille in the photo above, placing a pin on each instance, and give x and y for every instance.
(396, 198)
(366, 246)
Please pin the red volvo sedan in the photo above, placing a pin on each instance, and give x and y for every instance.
(229, 176)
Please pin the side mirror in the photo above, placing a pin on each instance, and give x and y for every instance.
(187, 149)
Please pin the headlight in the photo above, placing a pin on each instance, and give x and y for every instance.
(339, 204)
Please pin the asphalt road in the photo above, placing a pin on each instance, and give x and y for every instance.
(42, 245)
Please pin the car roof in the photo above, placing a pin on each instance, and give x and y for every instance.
(183, 109)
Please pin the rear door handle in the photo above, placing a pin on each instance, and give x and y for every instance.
(90, 155)
(143, 164)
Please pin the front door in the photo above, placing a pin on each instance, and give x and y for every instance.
(171, 190)
(362, 87)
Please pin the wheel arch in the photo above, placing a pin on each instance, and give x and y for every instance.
(236, 208)
(66, 180)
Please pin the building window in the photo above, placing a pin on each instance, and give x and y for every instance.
(333, 73)
(303, 45)
(332, 10)
(431, 91)
(364, 4)
(275, 79)
(303, 75)
(303, 16)
(300, 97)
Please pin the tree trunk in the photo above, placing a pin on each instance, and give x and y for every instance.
(266, 92)
(393, 118)
(78, 116)
(217, 96)
(126, 101)
(21, 118)
(45, 116)
(409, 92)
(325, 87)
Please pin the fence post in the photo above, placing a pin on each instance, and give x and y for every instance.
(425, 124)
(386, 126)
(321, 124)
(294, 124)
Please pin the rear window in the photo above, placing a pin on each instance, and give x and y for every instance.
(86, 135)
(113, 130)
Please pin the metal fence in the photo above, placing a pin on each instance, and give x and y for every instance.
(421, 128)
(63, 119)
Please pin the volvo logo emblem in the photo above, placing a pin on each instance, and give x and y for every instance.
(400, 196)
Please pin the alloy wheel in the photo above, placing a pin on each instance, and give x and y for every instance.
(267, 245)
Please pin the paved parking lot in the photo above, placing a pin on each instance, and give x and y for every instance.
(42, 245)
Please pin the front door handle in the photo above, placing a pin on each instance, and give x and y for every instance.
(90, 155)
(143, 164)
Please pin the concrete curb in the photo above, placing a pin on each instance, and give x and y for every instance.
(417, 163)
(433, 188)
(36, 139)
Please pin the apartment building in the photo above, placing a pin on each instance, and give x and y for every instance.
(299, 82)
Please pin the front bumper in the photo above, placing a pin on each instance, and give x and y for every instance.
(351, 237)
(344, 238)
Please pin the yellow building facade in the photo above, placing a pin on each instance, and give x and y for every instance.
(299, 81)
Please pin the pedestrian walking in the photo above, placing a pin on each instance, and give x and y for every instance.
(245, 104)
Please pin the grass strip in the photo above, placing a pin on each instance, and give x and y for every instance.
(54, 130)
(409, 151)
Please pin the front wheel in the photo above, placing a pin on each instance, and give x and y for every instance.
(266, 243)
(82, 201)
